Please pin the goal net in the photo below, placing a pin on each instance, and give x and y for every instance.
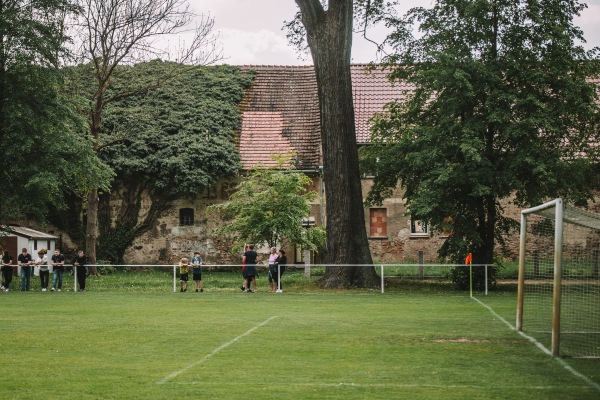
(559, 285)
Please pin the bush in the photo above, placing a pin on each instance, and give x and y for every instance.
(461, 277)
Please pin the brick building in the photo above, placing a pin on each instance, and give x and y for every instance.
(280, 113)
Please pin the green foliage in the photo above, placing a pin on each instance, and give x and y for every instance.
(501, 108)
(114, 240)
(177, 137)
(461, 278)
(268, 207)
(167, 133)
(43, 152)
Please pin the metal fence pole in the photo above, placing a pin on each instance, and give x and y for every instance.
(279, 279)
(174, 278)
(486, 280)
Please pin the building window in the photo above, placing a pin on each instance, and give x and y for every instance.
(378, 223)
(418, 227)
(186, 216)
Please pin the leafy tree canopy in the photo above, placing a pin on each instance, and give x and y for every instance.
(501, 106)
(40, 133)
(169, 140)
(176, 137)
(268, 207)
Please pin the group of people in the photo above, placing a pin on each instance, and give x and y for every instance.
(26, 263)
(195, 264)
(277, 261)
(277, 264)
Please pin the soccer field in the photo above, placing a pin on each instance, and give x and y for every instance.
(410, 344)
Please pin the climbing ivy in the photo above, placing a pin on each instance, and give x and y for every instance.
(172, 138)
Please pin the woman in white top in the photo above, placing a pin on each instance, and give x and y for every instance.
(42, 263)
(272, 269)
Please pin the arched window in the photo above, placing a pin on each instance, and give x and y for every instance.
(186, 216)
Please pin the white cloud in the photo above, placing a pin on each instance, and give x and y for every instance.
(259, 47)
(589, 22)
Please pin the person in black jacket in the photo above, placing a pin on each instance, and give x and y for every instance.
(7, 270)
(24, 260)
(281, 262)
(80, 263)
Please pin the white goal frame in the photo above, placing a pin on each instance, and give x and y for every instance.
(561, 213)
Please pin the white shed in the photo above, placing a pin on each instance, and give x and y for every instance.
(13, 238)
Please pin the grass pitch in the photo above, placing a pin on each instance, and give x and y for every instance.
(131, 337)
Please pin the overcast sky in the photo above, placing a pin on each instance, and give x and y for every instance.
(251, 30)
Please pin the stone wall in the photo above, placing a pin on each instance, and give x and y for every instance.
(169, 240)
(400, 244)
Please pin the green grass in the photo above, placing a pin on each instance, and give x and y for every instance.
(130, 336)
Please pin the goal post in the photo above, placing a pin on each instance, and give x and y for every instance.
(558, 301)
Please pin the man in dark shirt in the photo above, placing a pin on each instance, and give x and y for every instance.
(58, 265)
(24, 260)
(249, 261)
(281, 262)
(80, 263)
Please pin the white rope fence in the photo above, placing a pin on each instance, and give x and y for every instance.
(306, 267)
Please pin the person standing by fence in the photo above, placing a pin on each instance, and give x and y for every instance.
(197, 270)
(280, 264)
(42, 263)
(249, 261)
(24, 260)
(7, 272)
(80, 263)
(58, 266)
(243, 287)
(183, 274)
(272, 270)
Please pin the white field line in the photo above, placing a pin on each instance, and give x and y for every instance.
(215, 351)
(544, 349)
(387, 385)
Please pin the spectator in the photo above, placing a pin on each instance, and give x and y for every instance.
(197, 270)
(249, 261)
(280, 263)
(24, 260)
(183, 273)
(7, 272)
(243, 287)
(80, 263)
(58, 265)
(42, 263)
(272, 269)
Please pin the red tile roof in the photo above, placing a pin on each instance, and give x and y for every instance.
(372, 90)
(281, 112)
(262, 136)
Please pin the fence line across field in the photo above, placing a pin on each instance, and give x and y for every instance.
(306, 267)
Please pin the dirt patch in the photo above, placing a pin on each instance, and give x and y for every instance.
(461, 340)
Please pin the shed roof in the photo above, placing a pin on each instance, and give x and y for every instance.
(27, 233)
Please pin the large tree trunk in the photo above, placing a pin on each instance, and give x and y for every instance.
(329, 35)
(93, 201)
(2, 85)
(91, 230)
